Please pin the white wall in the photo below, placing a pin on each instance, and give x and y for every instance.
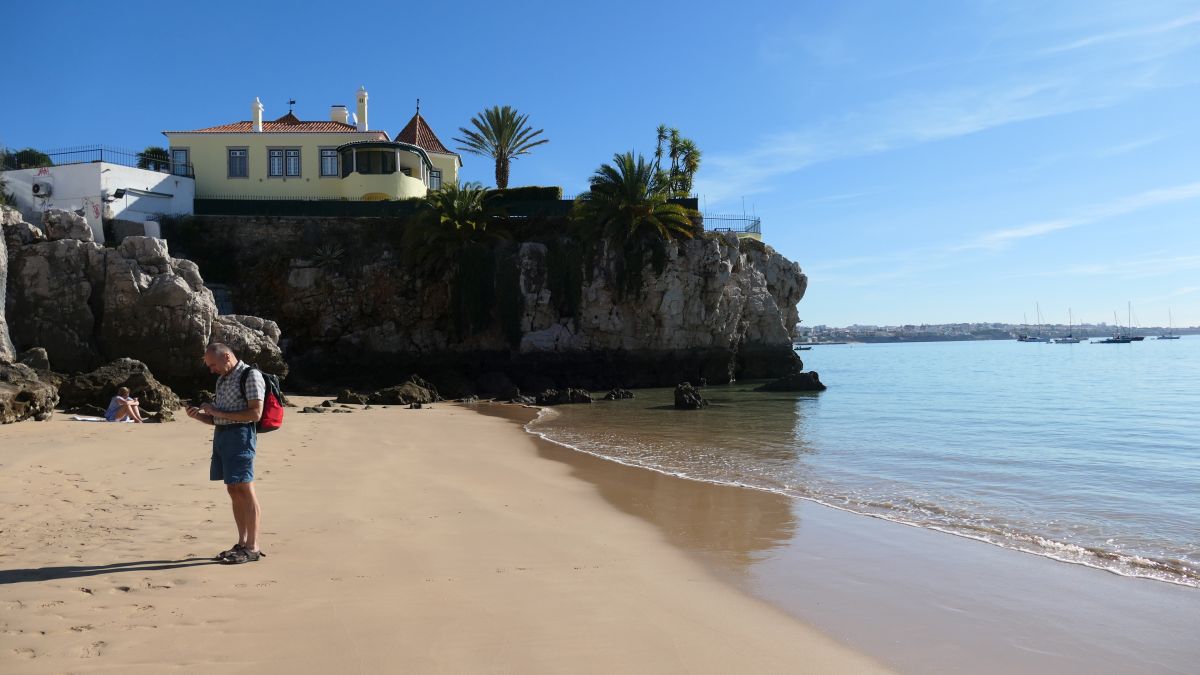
(85, 187)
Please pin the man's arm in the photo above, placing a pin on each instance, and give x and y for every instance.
(251, 413)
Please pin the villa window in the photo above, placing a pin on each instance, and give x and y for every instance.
(238, 164)
(329, 162)
(283, 162)
(179, 161)
(435, 179)
(275, 166)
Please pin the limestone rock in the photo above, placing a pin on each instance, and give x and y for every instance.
(7, 352)
(348, 396)
(801, 381)
(254, 340)
(687, 398)
(35, 358)
(23, 395)
(60, 224)
(618, 394)
(97, 388)
(410, 392)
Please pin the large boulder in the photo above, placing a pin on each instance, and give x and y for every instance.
(87, 305)
(561, 396)
(254, 340)
(805, 381)
(98, 387)
(415, 390)
(688, 398)
(60, 224)
(23, 395)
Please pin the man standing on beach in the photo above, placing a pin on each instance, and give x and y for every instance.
(233, 414)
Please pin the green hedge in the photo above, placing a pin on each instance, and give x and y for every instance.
(528, 193)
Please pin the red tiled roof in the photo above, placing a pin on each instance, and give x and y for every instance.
(289, 123)
(419, 134)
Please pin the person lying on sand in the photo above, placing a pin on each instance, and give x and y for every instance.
(123, 408)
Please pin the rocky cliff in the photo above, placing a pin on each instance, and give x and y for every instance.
(87, 305)
(351, 311)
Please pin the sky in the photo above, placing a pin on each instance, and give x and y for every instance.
(923, 162)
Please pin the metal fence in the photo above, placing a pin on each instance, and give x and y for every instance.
(732, 223)
(85, 154)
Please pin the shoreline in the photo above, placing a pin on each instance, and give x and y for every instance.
(446, 547)
(885, 589)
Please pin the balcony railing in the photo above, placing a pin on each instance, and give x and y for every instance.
(86, 154)
(733, 223)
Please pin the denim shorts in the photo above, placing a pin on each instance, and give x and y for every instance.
(233, 453)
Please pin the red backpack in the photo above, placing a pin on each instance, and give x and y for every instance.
(272, 409)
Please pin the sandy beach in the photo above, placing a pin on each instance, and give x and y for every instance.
(422, 541)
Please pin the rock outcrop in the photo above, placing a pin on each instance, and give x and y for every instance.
(809, 381)
(7, 353)
(715, 309)
(23, 395)
(87, 305)
(96, 389)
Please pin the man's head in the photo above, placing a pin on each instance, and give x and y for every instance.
(219, 358)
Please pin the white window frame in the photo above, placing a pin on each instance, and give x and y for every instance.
(337, 160)
(245, 156)
(180, 168)
(435, 175)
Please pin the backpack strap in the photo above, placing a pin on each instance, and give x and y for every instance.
(246, 376)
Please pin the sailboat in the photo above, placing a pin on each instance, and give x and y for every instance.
(1117, 338)
(1170, 334)
(1039, 337)
(1070, 338)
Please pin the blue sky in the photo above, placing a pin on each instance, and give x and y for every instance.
(922, 161)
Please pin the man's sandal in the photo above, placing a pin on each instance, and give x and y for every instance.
(229, 553)
(242, 556)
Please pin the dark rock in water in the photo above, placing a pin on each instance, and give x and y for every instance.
(412, 391)
(687, 398)
(35, 358)
(618, 394)
(561, 396)
(808, 381)
(23, 395)
(348, 396)
(99, 386)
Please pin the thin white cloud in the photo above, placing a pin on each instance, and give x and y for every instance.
(1132, 33)
(1124, 206)
(1125, 148)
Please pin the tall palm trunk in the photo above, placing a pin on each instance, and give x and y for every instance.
(501, 172)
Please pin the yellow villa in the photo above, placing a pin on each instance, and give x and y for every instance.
(341, 158)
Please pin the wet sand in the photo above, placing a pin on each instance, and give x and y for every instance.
(424, 541)
(918, 600)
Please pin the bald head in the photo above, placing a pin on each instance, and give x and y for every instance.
(219, 358)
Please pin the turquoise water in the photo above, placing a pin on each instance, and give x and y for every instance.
(1085, 453)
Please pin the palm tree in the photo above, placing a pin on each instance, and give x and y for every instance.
(685, 161)
(449, 220)
(153, 158)
(628, 203)
(502, 134)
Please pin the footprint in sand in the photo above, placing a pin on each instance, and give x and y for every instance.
(265, 584)
(93, 650)
(52, 603)
(81, 629)
(14, 604)
(85, 591)
(25, 653)
(123, 589)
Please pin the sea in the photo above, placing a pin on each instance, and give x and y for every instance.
(1084, 453)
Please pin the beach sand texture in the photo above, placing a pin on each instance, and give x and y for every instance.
(419, 541)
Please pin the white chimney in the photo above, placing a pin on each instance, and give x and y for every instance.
(256, 111)
(338, 113)
(362, 108)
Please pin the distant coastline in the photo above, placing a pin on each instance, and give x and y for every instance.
(821, 335)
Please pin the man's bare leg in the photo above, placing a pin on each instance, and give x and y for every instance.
(248, 513)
